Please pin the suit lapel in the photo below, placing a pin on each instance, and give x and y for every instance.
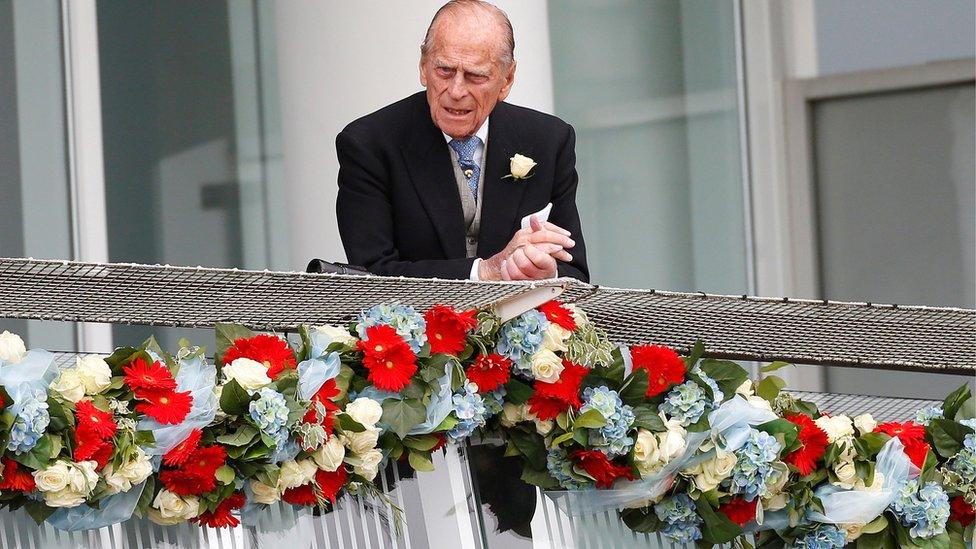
(429, 164)
(502, 195)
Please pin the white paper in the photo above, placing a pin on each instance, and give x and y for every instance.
(542, 215)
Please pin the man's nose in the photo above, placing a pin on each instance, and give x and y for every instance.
(458, 88)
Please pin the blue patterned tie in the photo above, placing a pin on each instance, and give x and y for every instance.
(465, 149)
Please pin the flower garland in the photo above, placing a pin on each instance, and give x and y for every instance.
(686, 446)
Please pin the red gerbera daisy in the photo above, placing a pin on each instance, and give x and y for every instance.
(331, 482)
(91, 420)
(205, 461)
(604, 471)
(959, 510)
(183, 483)
(663, 366)
(139, 375)
(167, 407)
(323, 397)
(390, 361)
(15, 477)
(300, 495)
(912, 435)
(813, 444)
(489, 372)
(221, 516)
(180, 453)
(550, 399)
(739, 510)
(272, 351)
(558, 314)
(546, 408)
(447, 328)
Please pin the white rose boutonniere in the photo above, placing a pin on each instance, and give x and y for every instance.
(520, 167)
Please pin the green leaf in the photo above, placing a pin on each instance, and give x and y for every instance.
(947, 436)
(728, 375)
(147, 495)
(347, 423)
(697, 351)
(423, 443)
(241, 437)
(226, 335)
(38, 510)
(403, 415)
(225, 474)
(634, 389)
(531, 446)
(699, 426)
(590, 419)
(615, 372)
(954, 401)
(868, 445)
(875, 526)
(420, 461)
(39, 456)
(770, 387)
(342, 380)
(641, 520)
(718, 528)
(877, 540)
(967, 410)
(773, 366)
(120, 356)
(562, 438)
(646, 417)
(784, 430)
(517, 392)
(542, 479)
(562, 420)
(234, 400)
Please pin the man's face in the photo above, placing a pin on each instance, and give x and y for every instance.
(463, 76)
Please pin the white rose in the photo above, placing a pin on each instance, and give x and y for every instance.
(546, 366)
(12, 348)
(116, 482)
(69, 385)
(521, 166)
(708, 474)
(852, 531)
(365, 410)
(264, 493)
(759, 402)
(329, 456)
(64, 498)
(646, 452)
(94, 372)
(836, 427)
(169, 509)
(775, 498)
(745, 389)
(360, 443)
(370, 464)
(82, 477)
(776, 501)
(543, 427)
(865, 423)
(846, 474)
(512, 414)
(336, 334)
(53, 478)
(555, 338)
(250, 374)
(137, 469)
(671, 443)
(296, 473)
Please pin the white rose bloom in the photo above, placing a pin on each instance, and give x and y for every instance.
(264, 493)
(82, 476)
(329, 456)
(52, 478)
(365, 410)
(64, 498)
(759, 402)
(296, 473)
(836, 427)
(708, 474)
(555, 338)
(776, 502)
(169, 509)
(370, 464)
(250, 374)
(116, 482)
(512, 414)
(846, 474)
(138, 468)
(69, 385)
(745, 389)
(865, 423)
(521, 165)
(543, 427)
(94, 372)
(336, 334)
(546, 366)
(852, 531)
(877, 484)
(646, 452)
(671, 443)
(360, 443)
(776, 499)
(12, 348)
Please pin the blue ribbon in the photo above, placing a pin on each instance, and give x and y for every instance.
(113, 510)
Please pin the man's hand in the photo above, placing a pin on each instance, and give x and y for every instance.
(543, 238)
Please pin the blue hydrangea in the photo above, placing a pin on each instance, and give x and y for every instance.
(926, 415)
(559, 466)
(520, 338)
(964, 463)
(32, 418)
(682, 523)
(612, 438)
(408, 324)
(925, 510)
(270, 413)
(754, 467)
(971, 422)
(470, 409)
(686, 403)
(494, 401)
(716, 392)
(824, 536)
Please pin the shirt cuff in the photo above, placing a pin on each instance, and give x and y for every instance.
(474, 270)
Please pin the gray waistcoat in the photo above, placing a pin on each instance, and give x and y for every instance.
(471, 208)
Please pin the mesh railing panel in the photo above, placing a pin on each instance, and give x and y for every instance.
(744, 328)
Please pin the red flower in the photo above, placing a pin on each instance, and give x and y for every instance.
(912, 435)
(813, 444)
(204, 462)
(221, 516)
(331, 483)
(739, 510)
(546, 408)
(390, 361)
(167, 407)
(180, 453)
(323, 397)
(272, 351)
(447, 328)
(300, 495)
(558, 314)
(489, 372)
(550, 399)
(15, 477)
(604, 471)
(664, 367)
(154, 377)
(99, 424)
(958, 510)
(183, 483)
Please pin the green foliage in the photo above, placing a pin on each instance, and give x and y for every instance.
(773, 366)
(517, 392)
(641, 520)
(542, 478)
(947, 436)
(234, 400)
(646, 417)
(420, 461)
(590, 419)
(955, 400)
(770, 387)
(242, 437)
(226, 335)
(728, 375)
(403, 415)
(634, 388)
(717, 528)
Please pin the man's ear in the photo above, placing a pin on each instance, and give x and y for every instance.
(423, 77)
(509, 81)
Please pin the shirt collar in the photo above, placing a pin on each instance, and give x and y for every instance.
(482, 133)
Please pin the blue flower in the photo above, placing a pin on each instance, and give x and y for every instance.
(682, 523)
(270, 414)
(824, 536)
(612, 438)
(470, 409)
(32, 418)
(926, 415)
(925, 510)
(408, 324)
(971, 422)
(716, 392)
(753, 469)
(686, 403)
(520, 337)
(559, 466)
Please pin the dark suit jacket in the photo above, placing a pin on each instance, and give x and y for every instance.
(398, 207)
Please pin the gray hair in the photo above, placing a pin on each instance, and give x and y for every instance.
(500, 16)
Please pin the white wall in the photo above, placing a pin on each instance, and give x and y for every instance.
(340, 60)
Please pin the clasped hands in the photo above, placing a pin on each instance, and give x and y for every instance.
(530, 255)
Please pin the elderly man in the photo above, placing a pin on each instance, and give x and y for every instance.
(427, 185)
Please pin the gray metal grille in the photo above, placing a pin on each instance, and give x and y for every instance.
(744, 328)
